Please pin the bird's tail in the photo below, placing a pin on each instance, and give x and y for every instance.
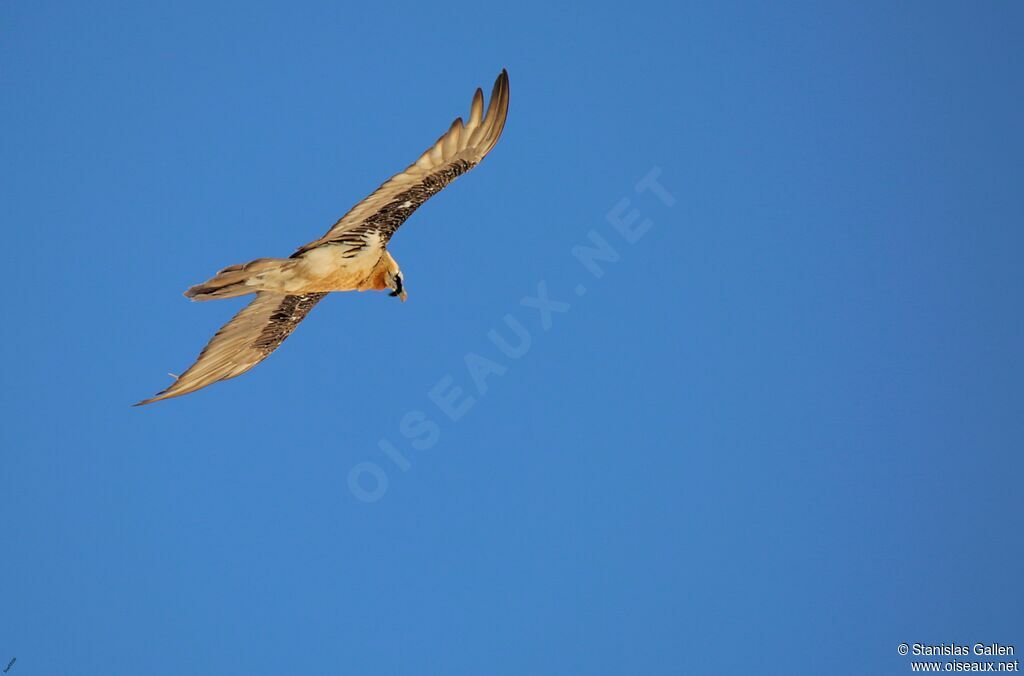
(238, 280)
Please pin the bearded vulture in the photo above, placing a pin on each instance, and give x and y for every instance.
(351, 256)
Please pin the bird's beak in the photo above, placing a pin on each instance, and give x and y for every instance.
(403, 296)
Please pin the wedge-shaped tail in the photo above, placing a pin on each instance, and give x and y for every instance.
(238, 280)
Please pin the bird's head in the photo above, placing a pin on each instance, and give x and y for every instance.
(393, 280)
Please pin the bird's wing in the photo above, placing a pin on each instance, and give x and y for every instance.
(460, 149)
(243, 342)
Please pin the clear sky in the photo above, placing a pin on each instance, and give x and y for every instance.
(774, 427)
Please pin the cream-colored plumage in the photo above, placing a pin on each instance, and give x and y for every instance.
(351, 256)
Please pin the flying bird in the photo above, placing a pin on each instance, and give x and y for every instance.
(351, 256)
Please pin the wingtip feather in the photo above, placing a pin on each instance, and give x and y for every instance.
(167, 393)
(476, 111)
(158, 397)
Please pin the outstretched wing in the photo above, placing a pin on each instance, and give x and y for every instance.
(460, 149)
(245, 341)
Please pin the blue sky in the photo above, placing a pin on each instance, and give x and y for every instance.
(780, 433)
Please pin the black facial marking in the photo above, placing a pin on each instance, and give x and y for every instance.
(398, 286)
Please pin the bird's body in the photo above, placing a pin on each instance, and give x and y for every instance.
(351, 256)
(328, 267)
